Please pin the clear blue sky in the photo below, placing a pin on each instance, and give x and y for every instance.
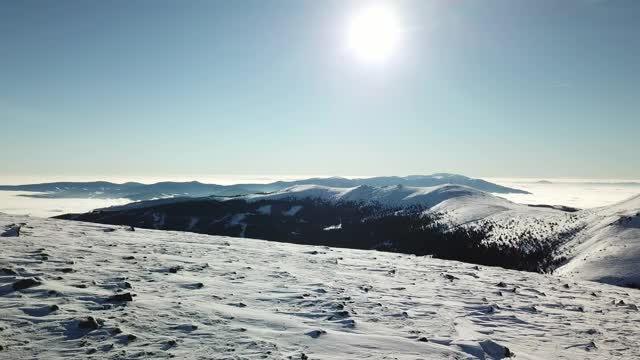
(479, 87)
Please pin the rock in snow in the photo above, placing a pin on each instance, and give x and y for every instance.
(12, 230)
(25, 284)
(418, 313)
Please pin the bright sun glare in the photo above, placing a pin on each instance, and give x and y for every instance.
(374, 34)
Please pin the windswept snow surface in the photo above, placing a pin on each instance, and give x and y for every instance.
(198, 296)
(608, 249)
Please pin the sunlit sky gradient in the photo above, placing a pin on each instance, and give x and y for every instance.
(507, 88)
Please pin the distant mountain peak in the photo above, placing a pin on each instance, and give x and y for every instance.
(137, 191)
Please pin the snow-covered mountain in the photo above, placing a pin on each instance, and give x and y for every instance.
(84, 290)
(397, 196)
(448, 221)
(598, 244)
(601, 244)
(608, 248)
(390, 196)
(137, 191)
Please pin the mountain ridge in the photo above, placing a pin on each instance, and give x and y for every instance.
(543, 238)
(138, 191)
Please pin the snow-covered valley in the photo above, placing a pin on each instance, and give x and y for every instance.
(198, 297)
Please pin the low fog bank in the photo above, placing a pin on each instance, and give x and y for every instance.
(579, 193)
(12, 203)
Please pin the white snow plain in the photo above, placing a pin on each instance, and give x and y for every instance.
(210, 297)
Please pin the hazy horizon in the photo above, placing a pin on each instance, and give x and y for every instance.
(579, 193)
(230, 179)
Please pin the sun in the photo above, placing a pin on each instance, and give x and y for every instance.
(374, 34)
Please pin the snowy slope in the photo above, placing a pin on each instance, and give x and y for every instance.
(460, 205)
(392, 196)
(603, 244)
(197, 296)
(608, 249)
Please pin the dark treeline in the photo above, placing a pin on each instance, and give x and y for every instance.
(347, 225)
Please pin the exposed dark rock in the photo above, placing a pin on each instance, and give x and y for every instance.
(89, 323)
(12, 230)
(8, 271)
(508, 353)
(450, 277)
(316, 333)
(25, 284)
(121, 297)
